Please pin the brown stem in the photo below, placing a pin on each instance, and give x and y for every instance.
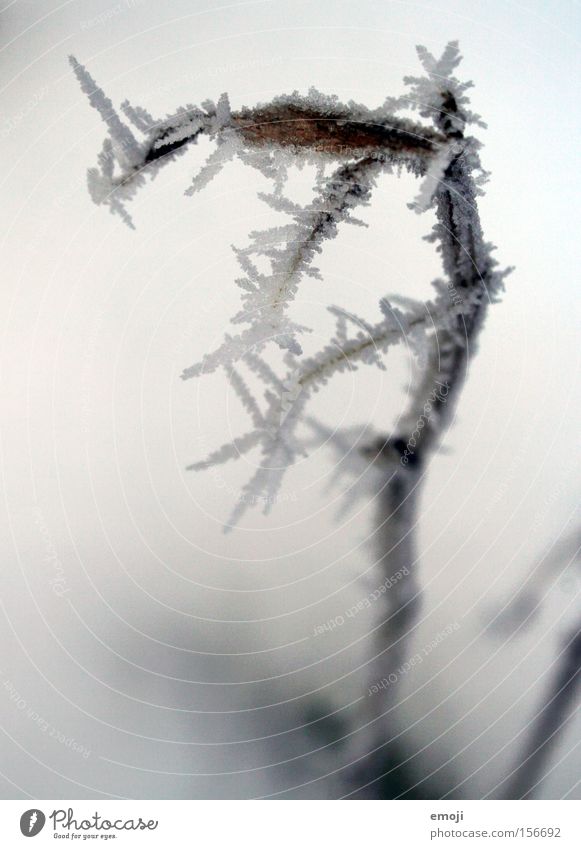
(296, 126)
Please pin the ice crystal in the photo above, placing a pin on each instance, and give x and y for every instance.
(359, 144)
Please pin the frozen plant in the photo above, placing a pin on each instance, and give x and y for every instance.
(357, 144)
(351, 146)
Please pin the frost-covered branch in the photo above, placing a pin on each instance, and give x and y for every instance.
(290, 251)
(270, 137)
(471, 274)
(475, 281)
(365, 142)
(310, 126)
(359, 143)
(277, 431)
(444, 329)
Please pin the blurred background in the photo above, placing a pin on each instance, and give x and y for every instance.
(145, 653)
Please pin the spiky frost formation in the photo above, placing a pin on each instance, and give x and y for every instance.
(316, 128)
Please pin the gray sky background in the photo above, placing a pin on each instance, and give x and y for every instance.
(97, 428)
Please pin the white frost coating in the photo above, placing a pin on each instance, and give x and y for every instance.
(248, 401)
(127, 149)
(278, 433)
(291, 249)
(139, 117)
(439, 95)
(225, 151)
(434, 176)
(471, 277)
(230, 451)
(189, 127)
(223, 113)
(124, 159)
(435, 331)
(254, 338)
(353, 461)
(277, 428)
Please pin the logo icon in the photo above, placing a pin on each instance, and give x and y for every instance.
(32, 822)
